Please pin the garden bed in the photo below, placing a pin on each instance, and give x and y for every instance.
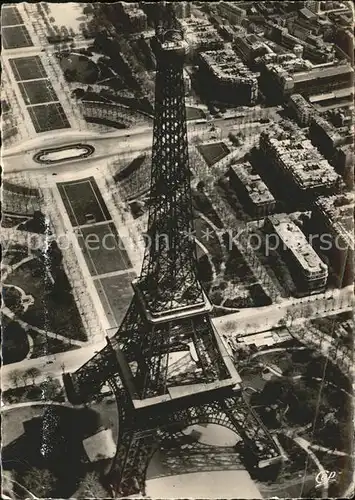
(194, 113)
(15, 345)
(11, 220)
(38, 392)
(79, 68)
(203, 204)
(105, 122)
(44, 346)
(54, 308)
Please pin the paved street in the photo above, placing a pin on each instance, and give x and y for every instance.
(121, 142)
(295, 311)
(251, 320)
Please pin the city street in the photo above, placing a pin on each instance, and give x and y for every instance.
(121, 142)
(252, 320)
(295, 311)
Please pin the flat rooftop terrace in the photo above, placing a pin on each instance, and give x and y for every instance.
(296, 242)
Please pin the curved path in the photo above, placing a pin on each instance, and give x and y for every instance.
(277, 349)
(6, 271)
(207, 253)
(296, 377)
(349, 492)
(25, 404)
(305, 445)
(26, 326)
(317, 447)
(23, 489)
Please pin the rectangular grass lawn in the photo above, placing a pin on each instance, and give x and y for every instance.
(212, 153)
(83, 197)
(46, 117)
(15, 37)
(10, 16)
(103, 249)
(37, 91)
(27, 68)
(115, 293)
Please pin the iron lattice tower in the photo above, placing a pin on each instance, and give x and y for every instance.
(166, 363)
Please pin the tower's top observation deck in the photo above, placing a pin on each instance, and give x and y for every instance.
(169, 43)
(173, 49)
(169, 37)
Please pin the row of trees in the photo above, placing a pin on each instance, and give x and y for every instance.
(285, 401)
(48, 390)
(43, 483)
(31, 374)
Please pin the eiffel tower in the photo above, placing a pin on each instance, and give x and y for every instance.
(157, 395)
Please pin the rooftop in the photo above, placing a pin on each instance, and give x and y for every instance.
(303, 161)
(294, 239)
(300, 101)
(277, 58)
(253, 40)
(290, 66)
(339, 210)
(133, 10)
(197, 30)
(324, 71)
(227, 65)
(328, 128)
(347, 148)
(256, 187)
(232, 7)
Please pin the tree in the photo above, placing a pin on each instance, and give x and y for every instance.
(88, 9)
(315, 368)
(40, 482)
(51, 389)
(91, 487)
(15, 345)
(24, 377)
(243, 353)
(201, 186)
(33, 373)
(14, 377)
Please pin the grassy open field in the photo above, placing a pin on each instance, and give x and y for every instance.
(212, 153)
(115, 293)
(55, 312)
(194, 113)
(82, 198)
(102, 247)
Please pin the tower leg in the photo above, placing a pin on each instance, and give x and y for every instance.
(128, 472)
(136, 445)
